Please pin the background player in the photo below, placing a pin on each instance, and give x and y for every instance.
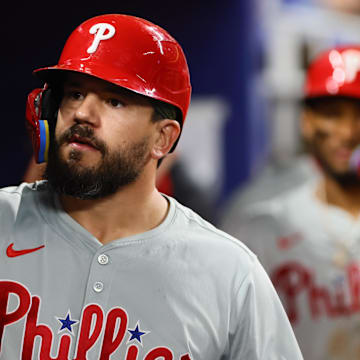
(95, 261)
(308, 239)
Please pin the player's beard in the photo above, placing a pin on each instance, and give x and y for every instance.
(346, 179)
(116, 169)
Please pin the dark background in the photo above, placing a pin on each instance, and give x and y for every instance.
(220, 39)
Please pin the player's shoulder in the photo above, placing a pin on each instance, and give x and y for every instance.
(12, 196)
(202, 235)
(282, 205)
(270, 217)
(10, 193)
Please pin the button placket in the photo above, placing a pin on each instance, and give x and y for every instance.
(100, 275)
(102, 260)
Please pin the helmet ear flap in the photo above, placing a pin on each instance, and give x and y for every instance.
(41, 112)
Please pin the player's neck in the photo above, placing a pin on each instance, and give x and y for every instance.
(132, 210)
(345, 197)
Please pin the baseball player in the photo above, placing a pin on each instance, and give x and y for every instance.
(95, 263)
(308, 239)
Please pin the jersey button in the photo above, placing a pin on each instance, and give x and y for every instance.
(103, 259)
(98, 286)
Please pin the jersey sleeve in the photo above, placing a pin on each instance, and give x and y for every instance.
(260, 328)
(9, 203)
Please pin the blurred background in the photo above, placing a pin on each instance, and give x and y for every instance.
(246, 59)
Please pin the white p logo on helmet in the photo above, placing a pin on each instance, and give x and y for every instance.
(352, 64)
(346, 67)
(102, 31)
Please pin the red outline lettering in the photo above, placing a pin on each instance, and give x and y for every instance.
(162, 352)
(132, 353)
(87, 340)
(7, 288)
(109, 343)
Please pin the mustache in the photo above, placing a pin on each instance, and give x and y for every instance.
(84, 132)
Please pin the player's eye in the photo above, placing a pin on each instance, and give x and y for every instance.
(116, 103)
(73, 95)
(76, 95)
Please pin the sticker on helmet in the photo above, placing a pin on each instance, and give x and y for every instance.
(102, 31)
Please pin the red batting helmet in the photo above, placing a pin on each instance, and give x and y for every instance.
(335, 72)
(130, 52)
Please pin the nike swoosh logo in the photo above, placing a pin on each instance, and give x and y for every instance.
(10, 252)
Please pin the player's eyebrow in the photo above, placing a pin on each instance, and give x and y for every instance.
(71, 84)
(125, 93)
(107, 88)
(119, 91)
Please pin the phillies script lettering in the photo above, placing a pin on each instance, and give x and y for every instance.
(93, 321)
(293, 279)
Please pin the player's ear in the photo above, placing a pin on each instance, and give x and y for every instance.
(168, 131)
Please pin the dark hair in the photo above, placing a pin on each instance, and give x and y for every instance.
(163, 110)
(314, 103)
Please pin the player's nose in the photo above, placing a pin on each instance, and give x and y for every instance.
(88, 110)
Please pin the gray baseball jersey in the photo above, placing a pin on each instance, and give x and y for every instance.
(183, 290)
(312, 253)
